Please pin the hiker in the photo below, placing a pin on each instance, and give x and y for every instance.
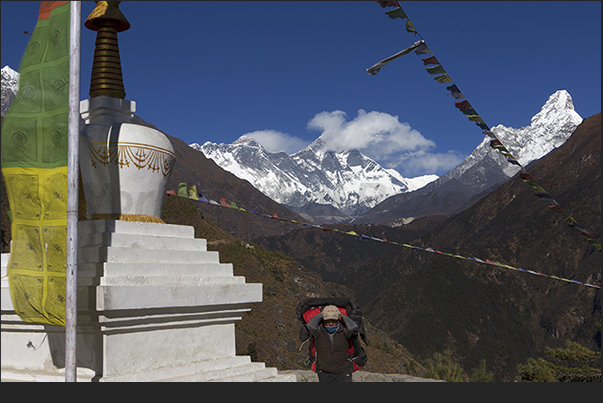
(332, 332)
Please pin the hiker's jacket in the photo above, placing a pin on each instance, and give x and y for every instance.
(332, 350)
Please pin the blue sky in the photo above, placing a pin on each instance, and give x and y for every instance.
(289, 71)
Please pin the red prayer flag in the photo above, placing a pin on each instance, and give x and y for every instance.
(384, 4)
(430, 60)
(462, 104)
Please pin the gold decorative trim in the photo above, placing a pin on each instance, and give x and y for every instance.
(141, 156)
(128, 217)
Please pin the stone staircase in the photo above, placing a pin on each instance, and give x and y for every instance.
(155, 303)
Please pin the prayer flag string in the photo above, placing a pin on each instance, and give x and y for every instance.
(441, 76)
(232, 205)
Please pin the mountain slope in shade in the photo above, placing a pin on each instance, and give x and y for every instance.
(485, 168)
(430, 302)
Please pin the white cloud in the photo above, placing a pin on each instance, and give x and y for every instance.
(422, 162)
(276, 141)
(385, 139)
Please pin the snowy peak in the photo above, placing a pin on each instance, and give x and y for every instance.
(10, 86)
(485, 168)
(10, 76)
(548, 129)
(347, 180)
(559, 106)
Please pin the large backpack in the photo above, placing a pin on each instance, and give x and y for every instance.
(310, 307)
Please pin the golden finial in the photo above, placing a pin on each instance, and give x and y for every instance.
(107, 21)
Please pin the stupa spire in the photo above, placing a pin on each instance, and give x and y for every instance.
(107, 21)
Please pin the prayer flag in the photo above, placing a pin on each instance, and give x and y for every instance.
(469, 111)
(396, 13)
(384, 4)
(430, 60)
(462, 104)
(410, 27)
(34, 165)
(192, 193)
(475, 118)
(455, 92)
(224, 203)
(423, 50)
(496, 143)
(182, 189)
(444, 78)
(435, 70)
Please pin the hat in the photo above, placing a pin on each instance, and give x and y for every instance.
(330, 312)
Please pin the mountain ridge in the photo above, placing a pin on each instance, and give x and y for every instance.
(348, 181)
(484, 169)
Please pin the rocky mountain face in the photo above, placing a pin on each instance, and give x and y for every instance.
(485, 168)
(430, 302)
(320, 185)
(10, 86)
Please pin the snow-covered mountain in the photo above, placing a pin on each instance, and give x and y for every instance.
(313, 177)
(548, 129)
(485, 168)
(10, 86)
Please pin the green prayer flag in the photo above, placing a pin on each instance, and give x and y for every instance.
(396, 13)
(183, 189)
(34, 165)
(436, 70)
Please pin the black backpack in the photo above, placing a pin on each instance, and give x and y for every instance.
(310, 307)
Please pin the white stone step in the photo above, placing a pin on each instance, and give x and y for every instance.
(170, 280)
(141, 228)
(174, 373)
(93, 254)
(248, 372)
(112, 269)
(165, 296)
(142, 241)
(15, 375)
